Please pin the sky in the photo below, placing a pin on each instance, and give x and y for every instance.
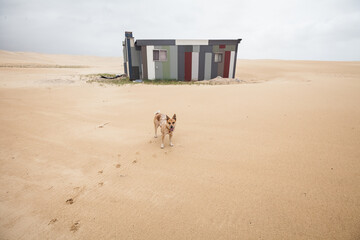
(276, 29)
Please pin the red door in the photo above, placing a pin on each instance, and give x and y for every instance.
(188, 66)
(226, 64)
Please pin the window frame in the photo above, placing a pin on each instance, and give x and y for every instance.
(159, 50)
(220, 54)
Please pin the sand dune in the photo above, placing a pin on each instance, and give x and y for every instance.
(22, 69)
(272, 160)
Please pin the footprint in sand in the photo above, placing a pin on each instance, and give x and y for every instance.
(52, 221)
(101, 171)
(75, 226)
(135, 161)
(117, 165)
(137, 153)
(100, 184)
(78, 191)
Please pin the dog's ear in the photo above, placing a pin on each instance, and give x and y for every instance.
(167, 117)
(174, 117)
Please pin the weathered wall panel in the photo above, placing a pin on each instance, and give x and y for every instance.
(236, 51)
(158, 70)
(231, 68)
(158, 66)
(135, 57)
(160, 42)
(226, 64)
(181, 63)
(226, 42)
(230, 48)
(191, 42)
(195, 66)
(188, 48)
(214, 67)
(222, 63)
(203, 50)
(166, 64)
(207, 67)
(201, 63)
(173, 62)
(221, 66)
(144, 62)
(216, 48)
(188, 64)
(129, 65)
(150, 62)
(124, 52)
(196, 48)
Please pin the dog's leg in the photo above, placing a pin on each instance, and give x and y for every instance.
(162, 140)
(156, 127)
(170, 136)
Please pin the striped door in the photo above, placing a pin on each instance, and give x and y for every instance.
(188, 62)
(227, 64)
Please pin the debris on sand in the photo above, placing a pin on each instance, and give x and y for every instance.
(113, 77)
(138, 81)
(70, 201)
(102, 125)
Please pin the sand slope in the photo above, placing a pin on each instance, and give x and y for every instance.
(271, 160)
(22, 69)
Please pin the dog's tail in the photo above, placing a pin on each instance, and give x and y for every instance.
(157, 112)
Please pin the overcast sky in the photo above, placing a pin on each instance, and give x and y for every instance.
(276, 29)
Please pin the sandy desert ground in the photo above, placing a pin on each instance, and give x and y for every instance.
(277, 159)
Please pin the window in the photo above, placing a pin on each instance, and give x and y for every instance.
(160, 55)
(218, 57)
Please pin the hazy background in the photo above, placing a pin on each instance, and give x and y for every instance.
(278, 29)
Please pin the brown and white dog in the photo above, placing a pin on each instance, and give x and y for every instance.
(166, 124)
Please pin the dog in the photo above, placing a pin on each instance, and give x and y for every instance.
(166, 124)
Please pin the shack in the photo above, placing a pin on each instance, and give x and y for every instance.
(184, 60)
